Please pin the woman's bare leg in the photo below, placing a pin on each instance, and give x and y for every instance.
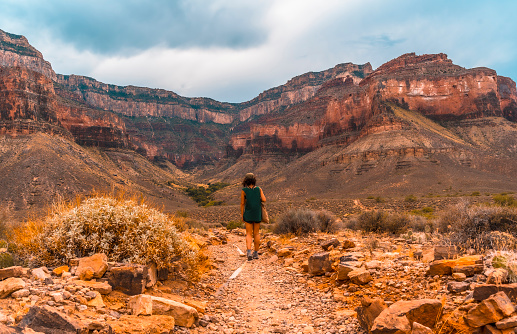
(249, 235)
(256, 236)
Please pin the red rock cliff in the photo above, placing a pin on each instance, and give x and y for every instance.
(342, 110)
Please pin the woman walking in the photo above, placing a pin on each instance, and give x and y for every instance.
(251, 212)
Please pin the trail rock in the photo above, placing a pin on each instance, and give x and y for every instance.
(48, 320)
(421, 329)
(96, 301)
(457, 287)
(343, 270)
(60, 270)
(360, 276)
(15, 271)
(459, 277)
(483, 291)
(388, 323)
(184, 315)
(21, 293)
(40, 273)
(507, 323)
(347, 244)
(92, 267)
(369, 311)
(140, 305)
(10, 285)
(469, 270)
(490, 310)
(131, 279)
(319, 263)
(284, 252)
(332, 242)
(102, 287)
(445, 267)
(425, 311)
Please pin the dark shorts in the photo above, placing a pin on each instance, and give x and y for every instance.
(252, 222)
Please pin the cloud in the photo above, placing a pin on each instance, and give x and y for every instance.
(233, 50)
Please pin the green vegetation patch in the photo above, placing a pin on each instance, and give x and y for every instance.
(203, 195)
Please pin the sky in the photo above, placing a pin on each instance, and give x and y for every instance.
(232, 50)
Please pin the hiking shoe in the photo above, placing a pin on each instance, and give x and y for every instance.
(250, 256)
(255, 255)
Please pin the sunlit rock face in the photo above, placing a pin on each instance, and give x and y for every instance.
(344, 109)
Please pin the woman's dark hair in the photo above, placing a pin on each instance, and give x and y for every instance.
(249, 180)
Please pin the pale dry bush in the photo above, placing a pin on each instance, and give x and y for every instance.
(124, 230)
(303, 221)
(479, 227)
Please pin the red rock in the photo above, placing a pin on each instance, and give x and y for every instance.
(131, 279)
(319, 263)
(15, 271)
(425, 311)
(48, 320)
(360, 276)
(483, 291)
(420, 329)
(490, 310)
(445, 267)
(92, 267)
(369, 311)
(327, 244)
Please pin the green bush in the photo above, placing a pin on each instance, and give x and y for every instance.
(410, 198)
(124, 230)
(504, 200)
(234, 224)
(203, 195)
(6, 260)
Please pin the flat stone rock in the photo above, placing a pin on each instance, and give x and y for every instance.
(343, 270)
(130, 279)
(11, 285)
(445, 267)
(184, 315)
(483, 291)
(457, 287)
(360, 276)
(507, 323)
(425, 311)
(103, 287)
(15, 271)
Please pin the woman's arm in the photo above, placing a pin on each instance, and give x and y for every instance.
(243, 203)
(262, 197)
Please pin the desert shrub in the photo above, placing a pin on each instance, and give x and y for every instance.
(303, 221)
(234, 224)
(6, 260)
(479, 227)
(426, 212)
(419, 223)
(504, 200)
(378, 221)
(506, 260)
(410, 198)
(124, 230)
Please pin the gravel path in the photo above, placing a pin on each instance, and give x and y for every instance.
(266, 297)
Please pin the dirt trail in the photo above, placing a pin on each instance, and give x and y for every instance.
(266, 297)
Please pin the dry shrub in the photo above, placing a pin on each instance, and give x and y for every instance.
(124, 230)
(303, 221)
(378, 221)
(480, 227)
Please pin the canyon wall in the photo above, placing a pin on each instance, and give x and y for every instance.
(343, 109)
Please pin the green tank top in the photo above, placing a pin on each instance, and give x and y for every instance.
(253, 208)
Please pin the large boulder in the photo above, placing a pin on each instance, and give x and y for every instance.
(130, 279)
(48, 320)
(10, 285)
(401, 315)
(369, 311)
(319, 263)
(490, 310)
(92, 266)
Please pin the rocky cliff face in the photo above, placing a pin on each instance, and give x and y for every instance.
(28, 104)
(15, 50)
(344, 109)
